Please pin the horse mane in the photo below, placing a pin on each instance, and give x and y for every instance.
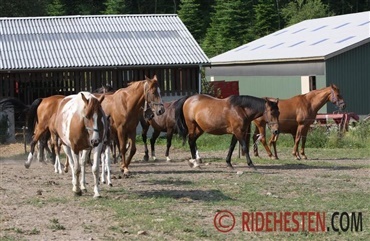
(247, 101)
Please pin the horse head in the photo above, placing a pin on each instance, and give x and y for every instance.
(271, 115)
(336, 98)
(93, 119)
(153, 98)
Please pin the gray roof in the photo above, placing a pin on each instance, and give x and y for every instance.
(315, 39)
(97, 41)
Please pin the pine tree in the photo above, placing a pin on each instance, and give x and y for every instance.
(266, 17)
(300, 10)
(228, 28)
(190, 15)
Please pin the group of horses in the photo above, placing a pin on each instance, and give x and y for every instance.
(86, 122)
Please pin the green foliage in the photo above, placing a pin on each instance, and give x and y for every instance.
(55, 8)
(266, 17)
(297, 11)
(114, 7)
(228, 27)
(191, 16)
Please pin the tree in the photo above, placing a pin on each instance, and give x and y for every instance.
(55, 8)
(114, 7)
(228, 28)
(266, 17)
(300, 10)
(190, 15)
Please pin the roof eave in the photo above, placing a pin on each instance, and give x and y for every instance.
(267, 61)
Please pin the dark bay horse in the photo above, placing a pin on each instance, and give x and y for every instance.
(124, 107)
(162, 123)
(80, 125)
(233, 115)
(296, 116)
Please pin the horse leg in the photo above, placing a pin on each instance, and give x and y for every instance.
(169, 142)
(144, 136)
(152, 143)
(57, 146)
(304, 136)
(27, 163)
(107, 161)
(95, 169)
(192, 140)
(245, 146)
(73, 159)
(230, 153)
(83, 159)
(132, 138)
(296, 138)
(122, 141)
(272, 142)
(197, 156)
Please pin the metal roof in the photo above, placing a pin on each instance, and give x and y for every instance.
(315, 39)
(97, 41)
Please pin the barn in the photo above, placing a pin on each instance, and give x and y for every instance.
(309, 55)
(43, 56)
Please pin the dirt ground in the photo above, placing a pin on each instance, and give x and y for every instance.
(23, 192)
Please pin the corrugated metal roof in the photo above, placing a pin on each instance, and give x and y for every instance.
(97, 41)
(313, 39)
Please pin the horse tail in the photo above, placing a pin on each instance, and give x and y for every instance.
(181, 126)
(32, 115)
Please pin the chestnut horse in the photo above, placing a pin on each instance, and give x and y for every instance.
(80, 125)
(163, 123)
(39, 120)
(296, 116)
(233, 115)
(124, 107)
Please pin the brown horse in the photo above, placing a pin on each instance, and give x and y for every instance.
(39, 121)
(296, 116)
(80, 125)
(163, 123)
(124, 107)
(233, 115)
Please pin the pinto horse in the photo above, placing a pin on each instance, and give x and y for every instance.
(233, 115)
(125, 106)
(296, 116)
(80, 125)
(163, 123)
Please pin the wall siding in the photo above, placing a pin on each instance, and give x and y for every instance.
(350, 71)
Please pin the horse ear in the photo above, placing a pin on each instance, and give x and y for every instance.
(155, 77)
(277, 100)
(101, 98)
(84, 98)
(146, 78)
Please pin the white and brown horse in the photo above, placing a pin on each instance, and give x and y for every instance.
(81, 126)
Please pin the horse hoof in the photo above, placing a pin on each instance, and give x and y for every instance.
(199, 160)
(110, 184)
(78, 193)
(26, 165)
(97, 196)
(146, 158)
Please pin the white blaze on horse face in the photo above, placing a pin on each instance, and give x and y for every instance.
(95, 135)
